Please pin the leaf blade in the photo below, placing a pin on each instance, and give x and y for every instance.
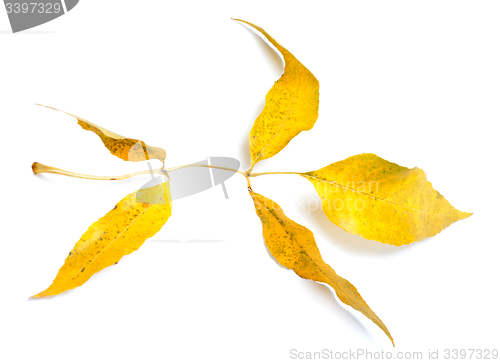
(294, 247)
(391, 204)
(125, 148)
(120, 232)
(291, 106)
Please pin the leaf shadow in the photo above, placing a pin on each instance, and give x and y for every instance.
(327, 297)
(244, 154)
(275, 61)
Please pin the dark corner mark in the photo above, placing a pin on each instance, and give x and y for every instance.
(32, 13)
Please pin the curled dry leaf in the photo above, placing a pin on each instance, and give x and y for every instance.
(123, 147)
(382, 201)
(137, 217)
(291, 107)
(295, 248)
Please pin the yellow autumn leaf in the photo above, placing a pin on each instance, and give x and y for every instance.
(123, 147)
(295, 248)
(291, 107)
(137, 217)
(382, 201)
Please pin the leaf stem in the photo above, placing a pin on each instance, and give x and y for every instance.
(274, 172)
(41, 168)
(249, 171)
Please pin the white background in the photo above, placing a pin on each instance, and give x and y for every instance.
(417, 83)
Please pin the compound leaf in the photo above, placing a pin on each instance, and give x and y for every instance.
(137, 217)
(295, 248)
(291, 107)
(382, 201)
(123, 147)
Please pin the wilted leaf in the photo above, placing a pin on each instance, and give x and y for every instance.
(137, 217)
(123, 147)
(291, 107)
(382, 201)
(295, 248)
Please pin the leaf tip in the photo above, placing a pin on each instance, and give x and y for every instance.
(243, 21)
(50, 291)
(52, 108)
(386, 331)
(463, 215)
(39, 295)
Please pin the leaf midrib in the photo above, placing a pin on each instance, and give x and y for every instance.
(372, 196)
